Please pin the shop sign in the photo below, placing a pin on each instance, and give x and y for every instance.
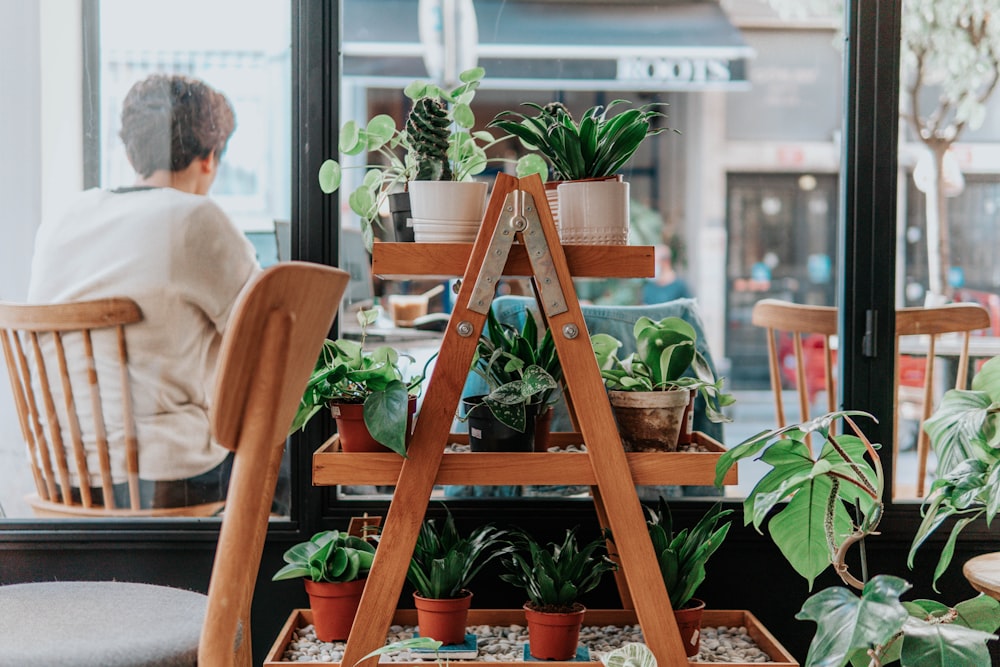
(675, 70)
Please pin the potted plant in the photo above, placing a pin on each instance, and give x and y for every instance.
(442, 565)
(554, 577)
(649, 390)
(964, 433)
(436, 143)
(366, 392)
(592, 202)
(334, 567)
(822, 505)
(682, 559)
(522, 373)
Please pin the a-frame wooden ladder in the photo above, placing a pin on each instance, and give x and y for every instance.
(518, 210)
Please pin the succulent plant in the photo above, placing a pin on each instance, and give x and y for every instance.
(427, 127)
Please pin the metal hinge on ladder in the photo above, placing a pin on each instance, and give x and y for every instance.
(519, 217)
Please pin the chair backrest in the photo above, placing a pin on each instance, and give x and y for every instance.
(932, 323)
(50, 355)
(811, 331)
(268, 352)
(814, 364)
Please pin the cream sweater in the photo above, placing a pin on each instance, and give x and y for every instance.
(185, 263)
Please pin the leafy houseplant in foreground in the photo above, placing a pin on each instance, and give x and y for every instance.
(348, 375)
(334, 566)
(834, 500)
(965, 436)
(442, 565)
(649, 389)
(554, 577)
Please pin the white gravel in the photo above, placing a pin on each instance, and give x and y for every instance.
(505, 644)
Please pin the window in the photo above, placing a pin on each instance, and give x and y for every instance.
(80, 60)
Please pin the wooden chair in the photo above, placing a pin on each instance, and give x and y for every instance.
(41, 346)
(956, 318)
(802, 323)
(267, 354)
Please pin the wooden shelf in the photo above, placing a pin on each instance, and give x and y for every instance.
(405, 260)
(332, 466)
(712, 617)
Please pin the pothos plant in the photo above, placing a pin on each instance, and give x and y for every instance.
(822, 504)
(347, 373)
(520, 369)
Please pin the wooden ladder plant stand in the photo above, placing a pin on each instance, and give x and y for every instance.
(518, 210)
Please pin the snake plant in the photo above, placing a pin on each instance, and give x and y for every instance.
(556, 575)
(596, 146)
(444, 561)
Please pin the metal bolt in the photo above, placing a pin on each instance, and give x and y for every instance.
(570, 331)
(464, 329)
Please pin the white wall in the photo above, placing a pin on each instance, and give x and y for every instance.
(20, 192)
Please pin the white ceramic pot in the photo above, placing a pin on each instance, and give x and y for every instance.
(447, 200)
(594, 212)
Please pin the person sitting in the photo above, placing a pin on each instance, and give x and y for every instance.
(163, 243)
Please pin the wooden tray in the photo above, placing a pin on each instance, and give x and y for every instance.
(332, 466)
(712, 617)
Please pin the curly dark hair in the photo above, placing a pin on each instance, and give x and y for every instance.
(170, 120)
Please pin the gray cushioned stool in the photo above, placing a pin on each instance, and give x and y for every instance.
(153, 625)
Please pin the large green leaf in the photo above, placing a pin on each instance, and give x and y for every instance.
(932, 644)
(800, 529)
(987, 379)
(385, 414)
(956, 427)
(847, 623)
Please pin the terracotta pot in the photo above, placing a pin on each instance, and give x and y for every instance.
(354, 435)
(334, 606)
(443, 619)
(688, 620)
(487, 434)
(543, 426)
(686, 434)
(649, 421)
(554, 636)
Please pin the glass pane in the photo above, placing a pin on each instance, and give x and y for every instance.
(741, 201)
(948, 207)
(250, 66)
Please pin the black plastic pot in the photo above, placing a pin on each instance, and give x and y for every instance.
(399, 207)
(487, 434)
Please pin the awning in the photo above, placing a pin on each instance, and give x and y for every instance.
(638, 46)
